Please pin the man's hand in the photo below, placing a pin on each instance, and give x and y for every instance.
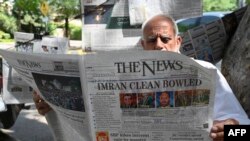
(41, 106)
(217, 131)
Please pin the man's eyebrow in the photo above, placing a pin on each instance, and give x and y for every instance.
(162, 35)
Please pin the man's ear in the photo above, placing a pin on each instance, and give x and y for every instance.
(142, 43)
(178, 41)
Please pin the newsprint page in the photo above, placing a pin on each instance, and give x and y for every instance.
(147, 96)
(125, 96)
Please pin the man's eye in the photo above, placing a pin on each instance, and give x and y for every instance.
(151, 40)
(165, 39)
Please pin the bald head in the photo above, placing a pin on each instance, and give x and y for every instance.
(160, 33)
(152, 22)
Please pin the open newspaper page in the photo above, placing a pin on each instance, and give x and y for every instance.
(205, 42)
(208, 41)
(147, 96)
(107, 27)
(141, 10)
(56, 78)
(116, 25)
(15, 89)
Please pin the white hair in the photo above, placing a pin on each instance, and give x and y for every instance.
(169, 18)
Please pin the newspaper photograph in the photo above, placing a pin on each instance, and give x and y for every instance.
(56, 77)
(147, 96)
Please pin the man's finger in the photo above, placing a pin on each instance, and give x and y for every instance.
(36, 97)
(43, 111)
(217, 136)
(217, 128)
(42, 108)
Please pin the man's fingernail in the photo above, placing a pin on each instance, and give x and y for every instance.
(213, 135)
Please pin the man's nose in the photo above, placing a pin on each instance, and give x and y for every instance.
(159, 45)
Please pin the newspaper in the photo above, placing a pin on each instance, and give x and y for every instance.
(144, 77)
(116, 25)
(205, 42)
(53, 45)
(88, 94)
(2, 105)
(209, 41)
(93, 2)
(24, 41)
(141, 10)
(15, 89)
(56, 77)
(107, 27)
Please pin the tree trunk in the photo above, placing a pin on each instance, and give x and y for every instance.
(67, 27)
(236, 62)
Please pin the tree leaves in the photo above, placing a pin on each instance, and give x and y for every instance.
(219, 5)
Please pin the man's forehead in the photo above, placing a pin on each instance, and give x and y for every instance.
(161, 29)
(158, 29)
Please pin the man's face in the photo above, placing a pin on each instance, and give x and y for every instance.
(158, 34)
(127, 100)
(164, 100)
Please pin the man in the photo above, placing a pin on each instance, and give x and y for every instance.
(164, 100)
(128, 101)
(146, 100)
(160, 33)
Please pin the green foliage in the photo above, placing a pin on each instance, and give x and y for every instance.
(6, 40)
(28, 15)
(4, 35)
(75, 32)
(7, 24)
(219, 5)
(66, 9)
(52, 26)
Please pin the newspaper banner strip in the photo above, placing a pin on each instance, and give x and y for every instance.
(147, 95)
